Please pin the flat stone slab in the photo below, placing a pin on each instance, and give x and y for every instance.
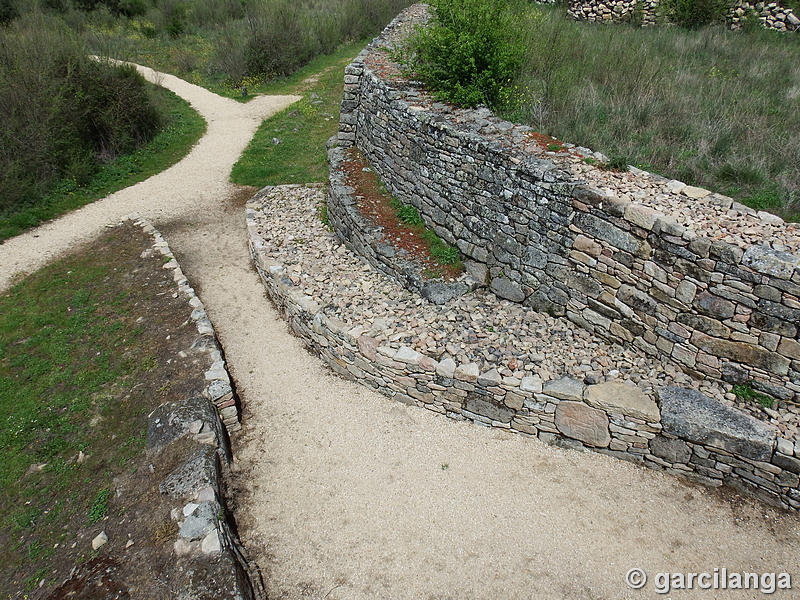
(580, 422)
(695, 417)
(625, 398)
(565, 388)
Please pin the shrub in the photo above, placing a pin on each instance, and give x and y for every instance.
(63, 113)
(8, 11)
(468, 54)
(694, 14)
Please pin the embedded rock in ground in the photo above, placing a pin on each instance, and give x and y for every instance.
(617, 397)
(584, 423)
(695, 417)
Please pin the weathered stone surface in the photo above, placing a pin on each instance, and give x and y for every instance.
(565, 388)
(772, 262)
(578, 421)
(637, 299)
(622, 398)
(481, 406)
(671, 450)
(786, 462)
(741, 352)
(467, 372)
(202, 520)
(607, 232)
(789, 348)
(704, 324)
(714, 306)
(171, 421)
(505, 288)
(198, 472)
(693, 416)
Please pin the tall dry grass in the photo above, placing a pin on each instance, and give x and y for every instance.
(711, 107)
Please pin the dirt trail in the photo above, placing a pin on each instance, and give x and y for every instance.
(343, 493)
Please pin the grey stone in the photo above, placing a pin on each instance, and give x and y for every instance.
(693, 416)
(199, 471)
(484, 407)
(581, 422)
(438, 292)
(714, 306)
(606, 231)
(704, 324)
(446, 368)
(771, 262)
(673, 451)
(742, 352)
(505, 288)
(636, 299)
(625, 398)
(172, 421)
(199, 523)
(565, 388)
(786, 462)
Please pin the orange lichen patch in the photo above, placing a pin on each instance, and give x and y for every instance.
(376, 204)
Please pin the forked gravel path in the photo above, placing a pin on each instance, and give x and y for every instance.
(343, 493)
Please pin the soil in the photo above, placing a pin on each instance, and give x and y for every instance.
(375, 204)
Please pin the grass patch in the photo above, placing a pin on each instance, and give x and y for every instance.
(709, 106)
(183, 128)
(99, 508)
(748, 394)
(300, 130)
(83, 360)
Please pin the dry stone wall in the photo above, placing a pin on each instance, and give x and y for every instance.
(689, 434)
(621, 270)
(771, 14)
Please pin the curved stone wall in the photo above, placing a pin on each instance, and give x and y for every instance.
(718, 305)
(688, 434)
(718, 301)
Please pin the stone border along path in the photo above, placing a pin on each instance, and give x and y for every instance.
(344, 491)
(214, 563)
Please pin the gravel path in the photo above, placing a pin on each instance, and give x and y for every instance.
(343, 493)
(190, 186)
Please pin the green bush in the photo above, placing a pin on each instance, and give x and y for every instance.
(694, 14)
(468, 54)
(8, 11)
(63, 114)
